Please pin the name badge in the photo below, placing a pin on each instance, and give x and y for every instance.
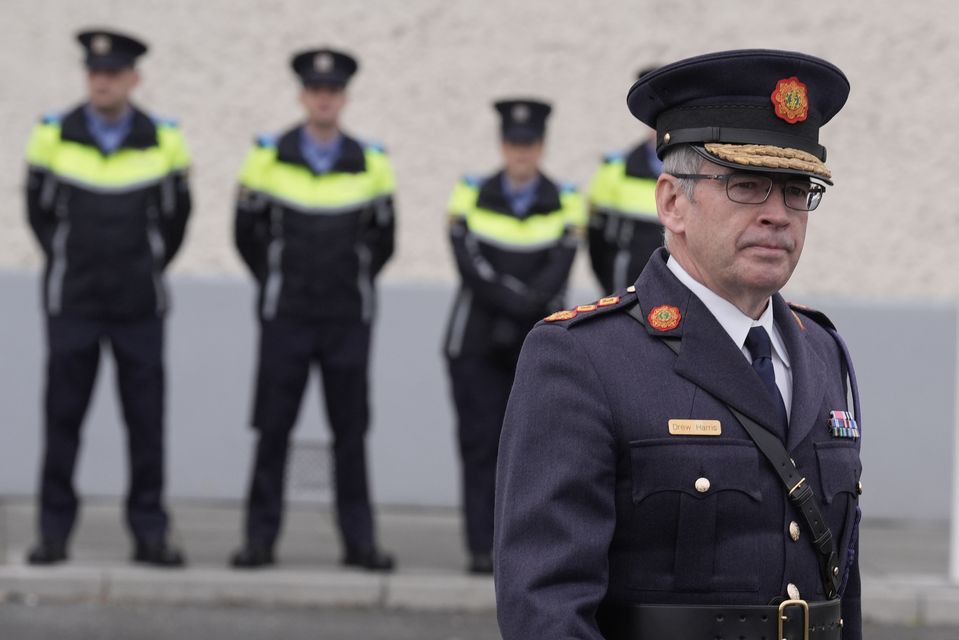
(695, 427)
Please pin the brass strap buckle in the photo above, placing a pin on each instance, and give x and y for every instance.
(801, 482)
(782, 618)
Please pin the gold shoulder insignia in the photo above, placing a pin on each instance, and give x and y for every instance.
(560, 315)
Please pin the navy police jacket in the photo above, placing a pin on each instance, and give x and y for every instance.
(109, 222)
(315, 243)
(596, 503)
(513, 266)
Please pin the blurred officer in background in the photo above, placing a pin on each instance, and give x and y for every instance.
(315, 225)
(514, 235)
(108, 200)
(683, 463)
(624, 229)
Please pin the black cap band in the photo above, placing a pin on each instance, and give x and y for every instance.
(701, 135)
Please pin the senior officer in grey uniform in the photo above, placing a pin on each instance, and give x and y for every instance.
(108, 200)
(514, 235)
(683, 462)
(315, 225)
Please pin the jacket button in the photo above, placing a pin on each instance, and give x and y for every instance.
(792, 591)
(702, 485)
(794, 531)
(859, 488)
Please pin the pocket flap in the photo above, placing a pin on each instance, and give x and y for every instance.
(839, 467)
(697, 468)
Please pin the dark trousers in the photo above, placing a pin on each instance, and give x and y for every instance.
(73, 358)
(481, 386)
(287, 350)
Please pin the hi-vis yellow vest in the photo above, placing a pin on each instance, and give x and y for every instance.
(615, 193)
(297, 187)
(127, 169)
(531, 233)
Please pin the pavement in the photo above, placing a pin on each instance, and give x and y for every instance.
(904, 564)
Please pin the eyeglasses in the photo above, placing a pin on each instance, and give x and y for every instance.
(801, 194)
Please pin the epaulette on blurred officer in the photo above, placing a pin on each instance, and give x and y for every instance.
(624, 229)
(315, 225)
(108, 200)
(514, 235)
(681, 459)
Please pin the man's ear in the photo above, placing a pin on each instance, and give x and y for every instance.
(672, 204)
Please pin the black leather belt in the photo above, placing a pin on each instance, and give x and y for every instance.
(792, 620)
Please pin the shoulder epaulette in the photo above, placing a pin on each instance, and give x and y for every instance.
(472, 181)
(818, 317)
(266, 140)
(51, 118)
(568, 187)
(374, 146)
(584, 312)
(616, 156)
(170, 123)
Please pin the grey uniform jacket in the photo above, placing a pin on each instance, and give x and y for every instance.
(597, 503)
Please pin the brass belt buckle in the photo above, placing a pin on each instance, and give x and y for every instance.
(782, 619)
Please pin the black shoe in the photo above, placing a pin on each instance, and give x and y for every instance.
(481, 564)
(47, 553)
(158, 554)
(370, 559)
(252, 556)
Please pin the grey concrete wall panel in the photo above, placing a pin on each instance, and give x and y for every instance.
(906, 369)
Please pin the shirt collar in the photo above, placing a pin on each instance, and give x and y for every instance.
(527, 190)
(320, 148)
(99, 123)
(733, 321)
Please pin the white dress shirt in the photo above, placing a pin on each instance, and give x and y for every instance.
(737, 324)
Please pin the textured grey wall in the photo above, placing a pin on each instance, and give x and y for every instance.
(907, 378)
(431, 67)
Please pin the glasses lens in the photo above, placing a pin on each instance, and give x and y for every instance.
(802, 194)
(748, 188)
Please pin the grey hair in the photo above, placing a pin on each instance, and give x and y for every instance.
(682, 159)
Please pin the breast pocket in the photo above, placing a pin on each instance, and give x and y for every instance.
(839, 471)
(695, 505)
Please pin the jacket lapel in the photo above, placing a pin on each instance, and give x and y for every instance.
(492, 197)
(808, 388)
(352, 157)
(708, 357)
(288, 148)
(142, 133)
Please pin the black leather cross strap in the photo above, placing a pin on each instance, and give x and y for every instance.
(707, 622)
(803, 497)
(797, 489)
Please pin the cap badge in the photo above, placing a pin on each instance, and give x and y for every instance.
(101, 44)
(323, 62)
(664, 318)
(561, 315)
(791, 100)
(520, 113)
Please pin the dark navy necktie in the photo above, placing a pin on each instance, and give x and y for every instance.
(760, 348)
